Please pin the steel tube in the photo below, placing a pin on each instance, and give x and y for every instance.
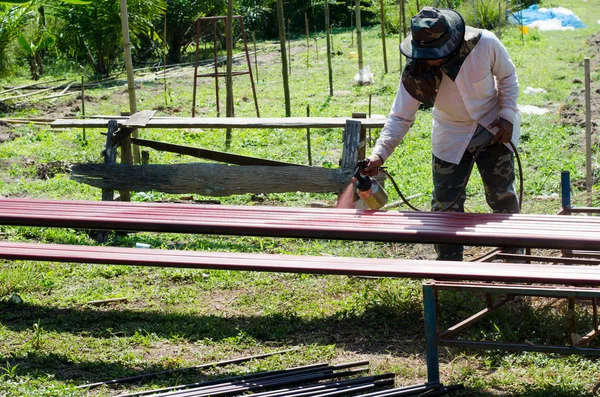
(521, 347)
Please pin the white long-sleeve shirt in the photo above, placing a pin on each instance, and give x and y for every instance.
(485, 88)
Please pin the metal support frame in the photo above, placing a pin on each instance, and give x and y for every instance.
(216, 74)
(442, 338)
(569, 256)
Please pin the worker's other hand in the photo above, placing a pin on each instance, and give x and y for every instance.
(372, 167)
(505, 130)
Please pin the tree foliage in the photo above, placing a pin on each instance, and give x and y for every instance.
(12, 18)
(93, 32)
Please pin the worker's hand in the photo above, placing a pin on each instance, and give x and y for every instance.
(504, 130)
(373, 165)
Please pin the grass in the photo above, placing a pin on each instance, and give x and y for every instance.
(176, 318)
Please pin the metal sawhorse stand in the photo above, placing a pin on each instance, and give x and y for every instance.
(216, 74)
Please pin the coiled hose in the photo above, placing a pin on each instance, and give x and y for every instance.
(387, 174)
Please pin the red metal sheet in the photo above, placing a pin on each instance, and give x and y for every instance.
(535, 231)
(499, 272)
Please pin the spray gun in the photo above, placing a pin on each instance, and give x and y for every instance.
(368, 189)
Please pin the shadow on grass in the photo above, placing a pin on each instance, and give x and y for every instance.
(376, 330)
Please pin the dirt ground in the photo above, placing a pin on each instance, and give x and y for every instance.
(573, 112)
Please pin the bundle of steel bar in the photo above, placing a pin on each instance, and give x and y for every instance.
(300, 382)
(533, 231)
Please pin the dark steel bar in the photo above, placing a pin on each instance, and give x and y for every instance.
(516, 289)
(445, 390)
(429, 305)
(585, 210)
(586, 254)
(321, 386)
(252, 386)
(412, 390)
(565, 188)
(270, 376)
(520, 347)
(550, 259)
(295, 370)
(196, 367)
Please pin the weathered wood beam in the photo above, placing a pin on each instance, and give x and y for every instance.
(212, 179)
(209, 154)
(225, 122)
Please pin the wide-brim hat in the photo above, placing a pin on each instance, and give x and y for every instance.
(434, 34)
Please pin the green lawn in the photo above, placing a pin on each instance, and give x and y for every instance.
(176, 318)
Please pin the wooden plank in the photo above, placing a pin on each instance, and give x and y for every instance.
(223, 122)
(401, 268)
(351, 142)
(139, 119)
(210, 154)
(212, 179)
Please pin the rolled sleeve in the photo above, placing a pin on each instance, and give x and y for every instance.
(401, 118)
(506, 80)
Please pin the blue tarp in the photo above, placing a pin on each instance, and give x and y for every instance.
(533, 13)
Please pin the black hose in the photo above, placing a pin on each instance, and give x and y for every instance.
(387, 174)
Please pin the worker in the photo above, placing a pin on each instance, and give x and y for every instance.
(468, 78)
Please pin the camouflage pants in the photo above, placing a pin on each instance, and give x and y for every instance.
(496, 166)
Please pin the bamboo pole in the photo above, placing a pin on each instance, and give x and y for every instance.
(284, 62)
(130, 84)
(307, 38)
(165, 59)
(228, 77)
(255, 56)
(588, 131)
(289, 47)
(382, 17)
(328, 36)
(359, 36)
(83, 104)
(308, 148)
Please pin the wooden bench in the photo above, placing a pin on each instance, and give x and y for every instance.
(533, 231)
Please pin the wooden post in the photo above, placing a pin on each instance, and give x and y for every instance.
(228, 77)
(289, 48)
(129, 69)
(382, 17)
(359, 36)
(351, 30)
(83, 104)
(110, 155)
(308, 137)
(328, 36)
(351, 143)
(588, 131)
(255, 56)
(165, 60)
(307, 38)
(284, 65)
(499, 19)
